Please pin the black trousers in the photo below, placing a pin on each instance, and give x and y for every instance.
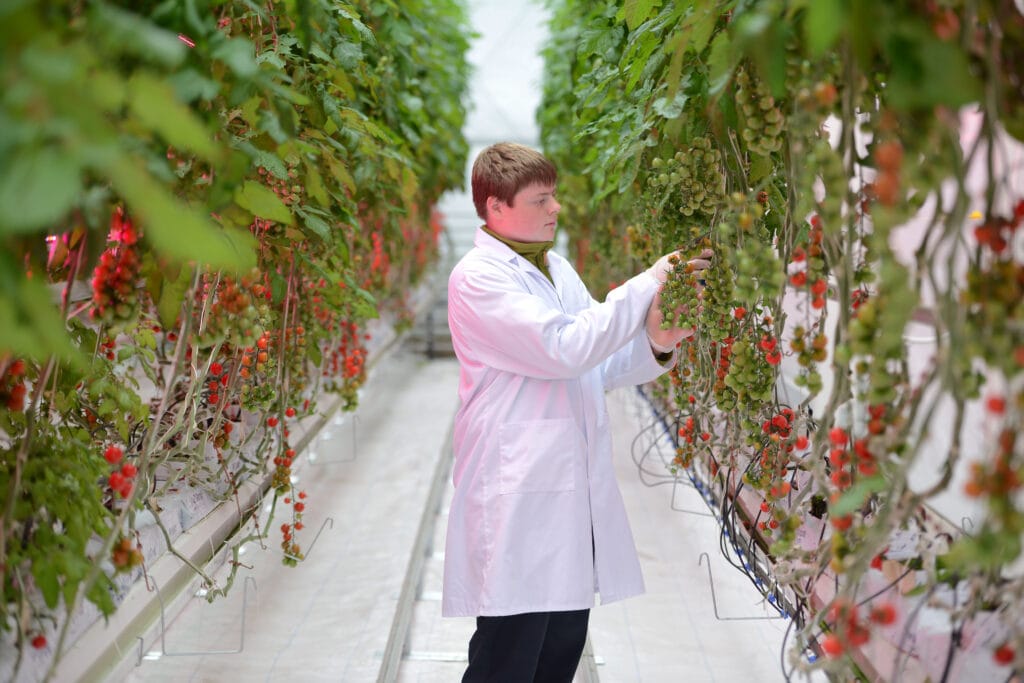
(542, 647)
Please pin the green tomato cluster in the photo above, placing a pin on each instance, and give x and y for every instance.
(680, 303)
(691, 182)
(758, 272)
(750, 376)
(717, 300)
(764, 121)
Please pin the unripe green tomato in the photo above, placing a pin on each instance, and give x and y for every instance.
(814, 382)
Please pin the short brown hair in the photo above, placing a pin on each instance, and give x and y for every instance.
(503, 169)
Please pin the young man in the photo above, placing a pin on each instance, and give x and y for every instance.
(537, 523)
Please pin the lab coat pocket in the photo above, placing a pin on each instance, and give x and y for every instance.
(539, 456)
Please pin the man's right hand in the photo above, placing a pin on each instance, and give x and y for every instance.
(661, 268)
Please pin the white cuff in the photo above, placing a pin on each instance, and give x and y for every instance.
(658, 347)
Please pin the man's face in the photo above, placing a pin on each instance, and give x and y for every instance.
(532, 217)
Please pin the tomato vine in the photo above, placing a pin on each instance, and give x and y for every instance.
(201, 206)
(852, 166)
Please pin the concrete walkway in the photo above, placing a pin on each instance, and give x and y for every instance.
(329, 619)
(668, 635)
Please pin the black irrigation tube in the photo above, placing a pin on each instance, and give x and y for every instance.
(725, 509)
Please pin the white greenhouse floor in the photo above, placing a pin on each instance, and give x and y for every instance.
(329, 618)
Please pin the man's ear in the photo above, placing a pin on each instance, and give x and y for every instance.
(494, 205)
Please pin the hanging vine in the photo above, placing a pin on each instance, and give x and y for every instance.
(201, 206)
(857, 169)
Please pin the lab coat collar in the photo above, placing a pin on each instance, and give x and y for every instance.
(504, 252)
(488, 243)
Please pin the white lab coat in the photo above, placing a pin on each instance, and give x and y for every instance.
(533, 467)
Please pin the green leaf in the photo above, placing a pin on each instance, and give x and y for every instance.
(636, 12)
(635, 61)
(359, 121)
(106, 407)
(261, 201)
(272, 58)
(317, 226)
(631, 166)
(174, 228)
(172, 293)
(37, 189)
(100, 595)
(70, 589)
(340, 172)
(128, 32)
(319, 53)
(347, 55)
(987, 549)
(45, 62)
(278, 287)
(721, 63)
(191, 85)
(239, 55)
(409, 185)
(315, 185)
(13, 6)
(340, 79)
(760, 168)
(854, 497)
(272, 163)
(927, 71)
(30, 323)
(670, 109)
(673, 76)
(364, 305)
(107, 89)
(703, 27)
(314, 355)
(362, 29)
(45, 573)
(601, 42)
(824, 22)
(250, 110)
(401, 35)
(343, 253)
(293, 96)
(155, 104)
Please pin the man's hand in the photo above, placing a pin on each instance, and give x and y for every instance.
(664, 265)
(665, 340)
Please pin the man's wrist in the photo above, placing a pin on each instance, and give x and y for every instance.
(662, 354)
(659, 348)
